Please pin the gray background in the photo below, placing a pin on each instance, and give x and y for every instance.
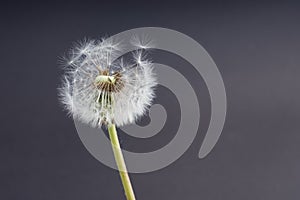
(256, 47)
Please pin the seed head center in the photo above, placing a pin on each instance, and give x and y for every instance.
(109, 83)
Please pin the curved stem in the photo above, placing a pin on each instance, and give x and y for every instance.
(120, 162)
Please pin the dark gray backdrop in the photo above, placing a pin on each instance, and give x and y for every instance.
(256, 47)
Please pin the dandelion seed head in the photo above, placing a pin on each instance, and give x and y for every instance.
(99, 89)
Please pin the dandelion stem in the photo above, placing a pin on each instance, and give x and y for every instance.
(120, 162)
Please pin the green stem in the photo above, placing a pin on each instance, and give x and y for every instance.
(120, 162)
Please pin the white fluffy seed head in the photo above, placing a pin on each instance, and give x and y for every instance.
(99, 90)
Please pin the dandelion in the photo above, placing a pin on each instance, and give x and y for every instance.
(100, 90)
